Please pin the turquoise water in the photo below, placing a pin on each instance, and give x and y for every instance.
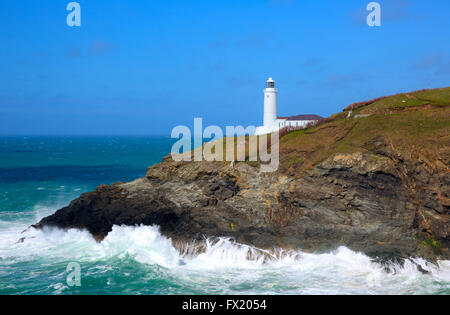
(39, 175)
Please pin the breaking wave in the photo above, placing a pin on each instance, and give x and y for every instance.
(216, 266)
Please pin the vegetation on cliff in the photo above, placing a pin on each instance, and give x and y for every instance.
(374, 178)
(416, 123)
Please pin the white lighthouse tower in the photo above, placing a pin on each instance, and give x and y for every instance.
(270, 109)
(270, 104)
(273, 123)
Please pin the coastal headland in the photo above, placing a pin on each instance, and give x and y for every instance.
(374, 178)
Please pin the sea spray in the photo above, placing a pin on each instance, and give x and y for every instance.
(141, 260)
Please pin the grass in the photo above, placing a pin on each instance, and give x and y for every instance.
(437, 97)
(418, 120)
(434, 245)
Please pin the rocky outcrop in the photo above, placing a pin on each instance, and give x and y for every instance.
(382, 203)
(376, 179)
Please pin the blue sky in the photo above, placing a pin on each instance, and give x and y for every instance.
(143, 67)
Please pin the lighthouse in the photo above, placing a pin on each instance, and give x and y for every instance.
(272, 122)
(270, 104)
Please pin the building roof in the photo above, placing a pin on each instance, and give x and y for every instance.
(282, 117)
(305, 117)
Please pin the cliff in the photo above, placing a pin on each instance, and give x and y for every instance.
(374, 178)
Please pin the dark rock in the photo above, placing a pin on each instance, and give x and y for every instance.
(362, 201)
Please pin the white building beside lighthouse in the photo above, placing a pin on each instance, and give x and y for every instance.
(274, 123)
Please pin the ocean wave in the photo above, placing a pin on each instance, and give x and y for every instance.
(224, 266)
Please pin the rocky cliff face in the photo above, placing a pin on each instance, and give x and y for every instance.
(383, 199)
(357, 200)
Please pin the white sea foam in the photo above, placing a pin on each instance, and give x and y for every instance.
(227, 267)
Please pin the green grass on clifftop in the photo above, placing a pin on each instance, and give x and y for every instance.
(417, 121)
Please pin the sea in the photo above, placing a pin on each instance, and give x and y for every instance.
(39, 175)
